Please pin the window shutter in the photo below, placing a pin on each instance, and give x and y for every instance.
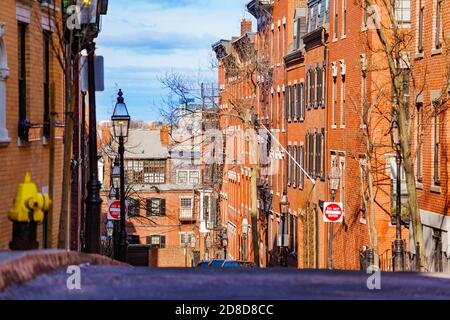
(307, 91)
(297, 176)
(292, 166)
(302, 29)
(302, 177)
(297, 113)
(311, 153)
(162, 207)
(149, 239)
(324, 86)
(318, 156)
(149, 209)
(162, 241)
(307, 152)
(303, 115)
(286, 103)
(312, 97)
(317, 88)
(292, 102)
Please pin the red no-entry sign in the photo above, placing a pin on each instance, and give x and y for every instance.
(333, 212)
(114, 210)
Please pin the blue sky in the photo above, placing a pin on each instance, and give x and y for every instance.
(144, 39)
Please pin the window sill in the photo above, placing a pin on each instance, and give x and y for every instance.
(435, 51)
(343, 37)
(363, 28)
(362, 221)
(333, 126)
(335, 40)
(342, 126)
(419, 185)
(419, 56)
(436, 189)
(363, 126)
(4, 142)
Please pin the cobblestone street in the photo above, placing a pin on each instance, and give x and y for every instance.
(124, 283)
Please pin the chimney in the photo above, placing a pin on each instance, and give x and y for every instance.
(106, 134)
(153, 126)
(164, 134)
(246, 26)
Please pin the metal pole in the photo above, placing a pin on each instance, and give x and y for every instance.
(93, 200)
(123, 234)
(116, 233)
(330, 237)
(399, 261)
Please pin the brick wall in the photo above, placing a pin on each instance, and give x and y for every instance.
(35, 156)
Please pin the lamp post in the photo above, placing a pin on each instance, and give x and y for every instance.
(399, 261)
(121, 123)
(284, 207)
(245, 228)
(115, 194)
(224, 244)
(333, 185)
(93, 199)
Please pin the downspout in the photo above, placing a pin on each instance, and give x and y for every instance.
(325, 143)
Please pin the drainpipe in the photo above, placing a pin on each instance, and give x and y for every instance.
(326, 50)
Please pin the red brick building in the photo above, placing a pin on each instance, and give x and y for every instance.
(318, 101)
(30, 75)
(169, 207)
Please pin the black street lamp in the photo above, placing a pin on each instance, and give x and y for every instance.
(333, 185)
(399, 258)
(115, 194)
(93, 199)
(224, 244)
(245, 229)
(121, 124)
(284, 207)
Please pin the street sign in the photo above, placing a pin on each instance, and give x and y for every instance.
(114, 209)
(333, 212)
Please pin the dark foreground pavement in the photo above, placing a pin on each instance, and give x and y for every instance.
(117, 283)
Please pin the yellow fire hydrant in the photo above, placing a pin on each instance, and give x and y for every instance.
(28, 211)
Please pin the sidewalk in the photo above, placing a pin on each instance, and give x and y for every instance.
(17, 267)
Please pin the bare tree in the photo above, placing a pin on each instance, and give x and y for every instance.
(390, 43)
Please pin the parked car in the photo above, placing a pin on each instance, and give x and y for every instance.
(219, 263)
(216, 263)
(203, 264)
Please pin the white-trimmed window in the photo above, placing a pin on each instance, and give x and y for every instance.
(156, 241)
(420, 27)
(334, 104)
(436, 148)
(403, 13)
(186, 207)
(438, 24)
(182, 176)
(343, 102)
(187, 239)
(344, 18)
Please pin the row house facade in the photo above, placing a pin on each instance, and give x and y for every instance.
(170, 209)
(31, 85)
(323, 87)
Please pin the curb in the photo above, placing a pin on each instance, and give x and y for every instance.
(28, 265)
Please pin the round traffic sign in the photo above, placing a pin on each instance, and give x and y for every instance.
(114, 210)
(333, 212)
